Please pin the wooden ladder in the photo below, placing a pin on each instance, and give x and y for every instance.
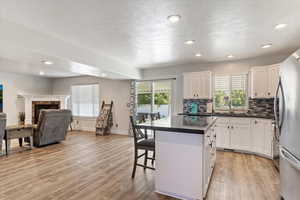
(104, 121)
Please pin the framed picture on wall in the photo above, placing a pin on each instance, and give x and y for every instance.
(1, 98)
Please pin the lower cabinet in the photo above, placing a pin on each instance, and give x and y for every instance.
(209, 154)
(240, 137)
(262, 132)
(245, 134)
(223, 137)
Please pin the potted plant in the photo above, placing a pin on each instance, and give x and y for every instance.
(21, 118)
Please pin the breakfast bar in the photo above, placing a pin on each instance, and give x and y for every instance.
(185, 155)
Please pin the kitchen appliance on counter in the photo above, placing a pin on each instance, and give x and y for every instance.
(209, 107)
(194, 108)
(287, 119)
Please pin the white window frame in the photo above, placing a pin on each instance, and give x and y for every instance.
(230, 88)
(98, 103)
(152, 93)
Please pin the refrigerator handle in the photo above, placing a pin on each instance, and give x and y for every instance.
(276, 111)
(289, 158)
(282, 114)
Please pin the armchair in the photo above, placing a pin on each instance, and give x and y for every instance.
(52, 127)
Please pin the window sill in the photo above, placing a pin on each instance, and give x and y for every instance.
(231, 111)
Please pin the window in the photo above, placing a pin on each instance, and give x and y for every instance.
(85, 100)
(154, 97)
(230, 92)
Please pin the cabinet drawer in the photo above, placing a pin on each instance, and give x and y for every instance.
(21, 133)
(240, 121)
(222, 120)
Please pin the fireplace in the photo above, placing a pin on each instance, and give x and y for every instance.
(37, 106)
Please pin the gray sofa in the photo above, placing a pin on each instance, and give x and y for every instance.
(2, 128)
(52, 127)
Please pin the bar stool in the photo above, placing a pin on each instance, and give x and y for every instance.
(141, 142)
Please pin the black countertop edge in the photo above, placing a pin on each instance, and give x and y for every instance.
(228, 115)
(178, 130)
(168, 129)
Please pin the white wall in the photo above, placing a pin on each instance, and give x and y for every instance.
(15, 84)
(115, 90)
(221, 67)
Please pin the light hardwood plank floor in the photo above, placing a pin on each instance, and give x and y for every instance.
(86, 167)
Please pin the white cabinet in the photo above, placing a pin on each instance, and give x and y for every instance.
(233, 133)
(205, 88)
(209, 154)
(187, 86)
(197, 85)
(273, 80)
(245, 134)
(240, 137)
(262, 136)
(258, 135)
(223, 136)
(258, 82)
(264, 81)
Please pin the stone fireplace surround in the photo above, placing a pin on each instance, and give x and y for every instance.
(30, 101)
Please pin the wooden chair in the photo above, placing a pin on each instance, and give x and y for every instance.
(141, 142)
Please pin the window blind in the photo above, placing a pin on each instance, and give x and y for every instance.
(222, 83)
(85, 100)
(230, 92)
(239, 82)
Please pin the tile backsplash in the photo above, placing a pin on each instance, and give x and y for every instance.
(200, 102)
(263, 107)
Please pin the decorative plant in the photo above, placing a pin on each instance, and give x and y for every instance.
(22, 116)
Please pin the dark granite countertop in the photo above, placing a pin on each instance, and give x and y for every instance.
(183, 124)
(246, 115)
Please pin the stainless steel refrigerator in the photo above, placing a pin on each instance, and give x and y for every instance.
(288, 123)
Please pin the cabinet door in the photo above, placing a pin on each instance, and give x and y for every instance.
(259, 82)
(258, 136)
(187, 86)
(223, 136)
(206, 162)
(273, 79)
(269, 136)
(240, 137)
(206, 85)
(196, 86)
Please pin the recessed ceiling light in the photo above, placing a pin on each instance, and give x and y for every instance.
(47, 62)
(42, 73)
(198, 54)
(189, 42)
(230, 56)
(280, 26)
(174, 18)
(265, 46)
(103, 74)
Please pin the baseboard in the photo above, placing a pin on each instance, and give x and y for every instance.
(120, 131)
(245, 152)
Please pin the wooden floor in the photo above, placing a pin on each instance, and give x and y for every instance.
(86, 167)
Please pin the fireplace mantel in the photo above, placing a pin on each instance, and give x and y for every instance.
(29, 98)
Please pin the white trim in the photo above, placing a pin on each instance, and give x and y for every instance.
(29, 98)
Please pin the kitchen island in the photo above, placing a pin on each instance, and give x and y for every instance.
(185, 151)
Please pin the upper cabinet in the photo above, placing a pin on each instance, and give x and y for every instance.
(197, 85)
(273, 79)
(264, 81)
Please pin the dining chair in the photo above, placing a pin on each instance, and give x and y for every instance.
(2, 128)
(142, 142)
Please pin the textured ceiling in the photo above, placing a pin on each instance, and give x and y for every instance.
(137, 34)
